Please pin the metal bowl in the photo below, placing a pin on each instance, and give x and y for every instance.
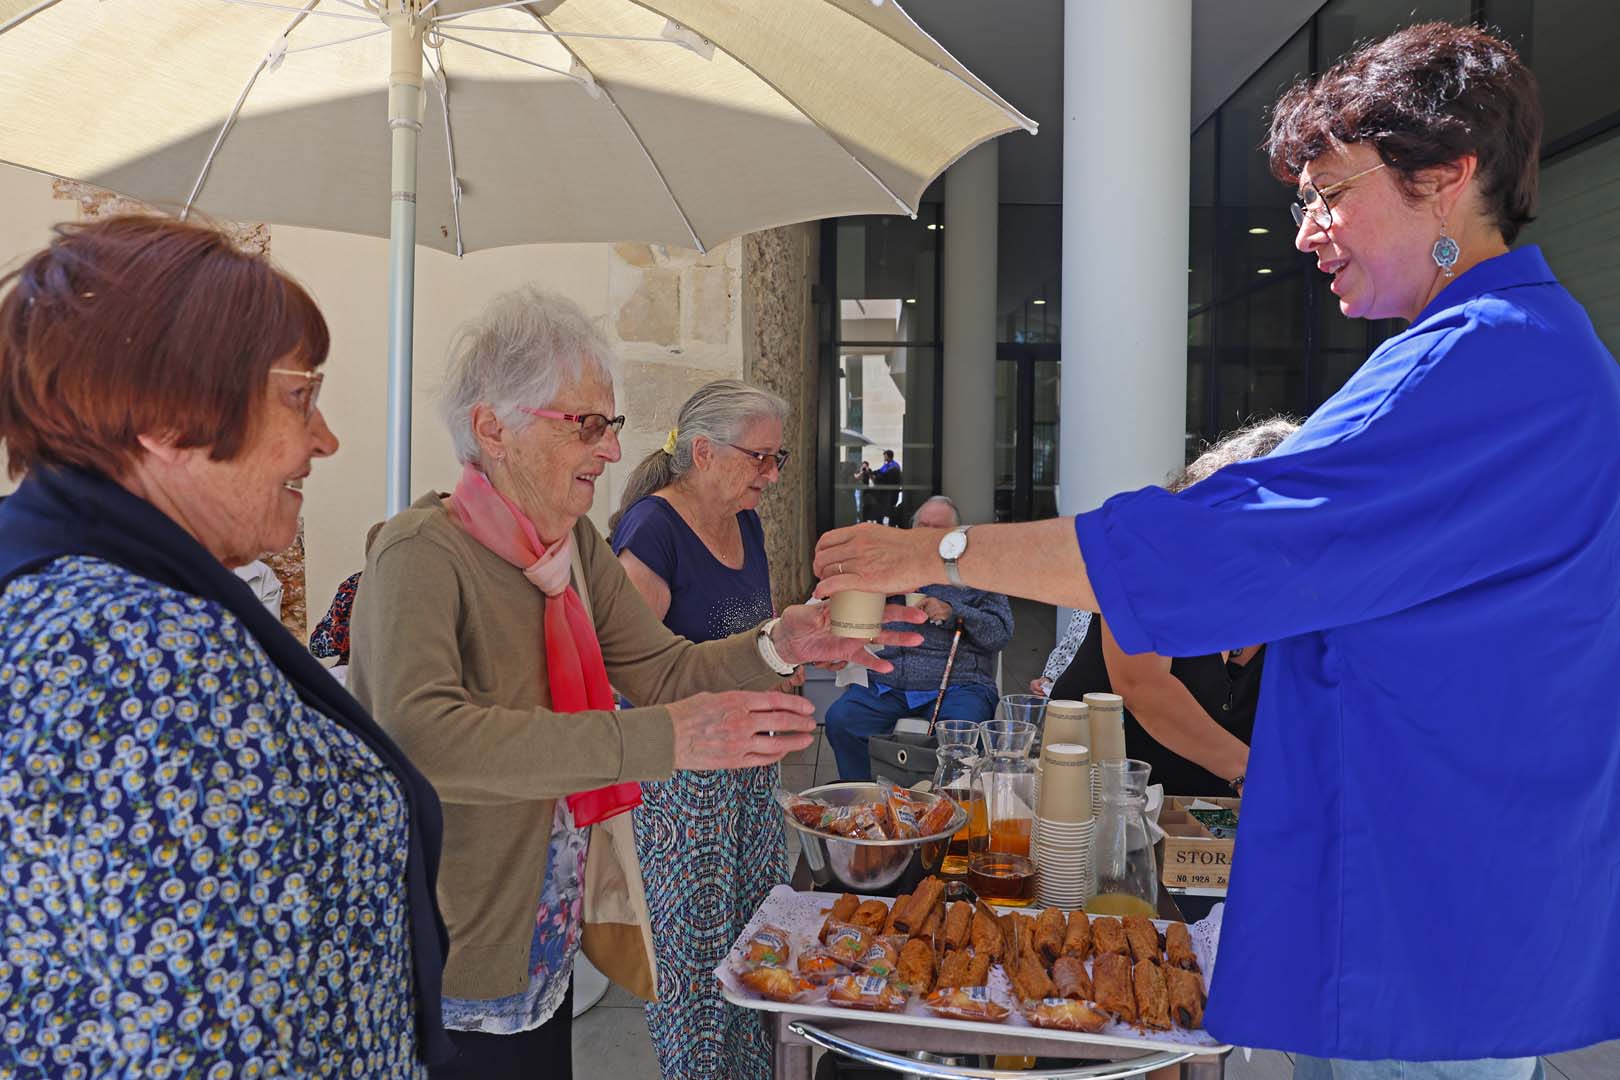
(867, 866)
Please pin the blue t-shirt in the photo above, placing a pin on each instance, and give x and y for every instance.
(707, 598)
(1428, 860)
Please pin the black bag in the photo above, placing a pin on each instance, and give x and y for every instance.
(903, 758)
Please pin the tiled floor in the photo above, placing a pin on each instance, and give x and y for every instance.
(610, 1041)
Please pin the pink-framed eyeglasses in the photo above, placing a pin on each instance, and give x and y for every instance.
(592, 425)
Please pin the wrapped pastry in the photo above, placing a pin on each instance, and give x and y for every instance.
(848, 942)
(1186, 997)
(963, 968)
(958, 921)
(819, 965)
(767, 948)
(778, 984)
(965, 1003)
(899, 816)
(1111, 981)
(1108, 936)
(881, 958)
(1028, 977)
(929, 894)
(1065, 1015)
(1178, 947)
(1143, 938)
(807, 812)
(1152, 996)
(985, 932)
(1070, 978)
(1049, 931)
(894, 909)
(917, 966)
(1077, 939)
(937, 817)
(866, 992)
(870, 916)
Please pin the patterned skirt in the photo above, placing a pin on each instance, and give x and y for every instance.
(711, 846)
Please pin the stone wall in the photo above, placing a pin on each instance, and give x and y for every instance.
(779, 329)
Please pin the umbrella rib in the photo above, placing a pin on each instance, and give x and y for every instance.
(301, 12)
(337, 41)
(559, 34)
(442, 82)
(236, 110)
(18, 20)
(630, 127)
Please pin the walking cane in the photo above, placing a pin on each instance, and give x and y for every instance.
(956, 639)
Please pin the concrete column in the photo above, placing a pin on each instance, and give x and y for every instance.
(972, 198)
(1127, 81)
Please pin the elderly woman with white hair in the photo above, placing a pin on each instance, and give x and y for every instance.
(691, 541)
(489, 634)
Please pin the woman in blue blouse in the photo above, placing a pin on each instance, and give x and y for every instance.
(1463, 485)
(711, 843)
(213, 863)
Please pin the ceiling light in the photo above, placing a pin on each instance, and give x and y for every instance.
(1264, 270)
(932, 225)
(1037, 301)
(1259, 230)
(911, 299)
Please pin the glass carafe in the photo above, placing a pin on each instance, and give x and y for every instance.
(1004, 873)
(1127, 872)
(957, 775)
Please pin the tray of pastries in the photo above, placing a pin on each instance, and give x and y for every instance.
(925, 961)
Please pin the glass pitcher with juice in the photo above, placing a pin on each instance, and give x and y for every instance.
(1004, 873)
(1127, 872)
(957, 775)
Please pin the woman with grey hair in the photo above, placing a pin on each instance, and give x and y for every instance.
(691, 541)
(489, 633)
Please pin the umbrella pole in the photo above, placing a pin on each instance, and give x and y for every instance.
(404, 126)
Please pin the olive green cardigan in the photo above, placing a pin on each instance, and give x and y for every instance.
(446, 654)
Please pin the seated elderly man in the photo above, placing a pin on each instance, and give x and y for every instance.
(912, 687)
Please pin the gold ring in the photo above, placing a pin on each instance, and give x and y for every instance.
(840, 569)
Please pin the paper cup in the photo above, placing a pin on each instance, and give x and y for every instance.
(1107, 716)
(1067, 722)
(1065, 784)
(857, 614)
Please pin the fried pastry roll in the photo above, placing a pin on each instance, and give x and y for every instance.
(1028, 978)
(1070, 978)
(1186, 997)
(1178, 947)
(894, 909)
(958, 922)
(1077, 939)
(953, 969)
(1143, 938)
(1152, 996)
(1108, 936)
(1049, 931)
(871, 916)
(917, 966)
(931, 929)
(930, 893)
(985, 933)
(1111, 980)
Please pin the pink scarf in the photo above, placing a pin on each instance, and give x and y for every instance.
(574, 665)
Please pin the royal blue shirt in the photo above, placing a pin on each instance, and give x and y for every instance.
(1428, 857)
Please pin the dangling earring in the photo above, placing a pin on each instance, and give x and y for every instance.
(1445, 252)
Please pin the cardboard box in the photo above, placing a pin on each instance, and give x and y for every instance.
(1192, 858)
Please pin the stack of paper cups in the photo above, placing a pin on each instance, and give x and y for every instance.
(1065, 723)
(1064, 828)
(1106, 714)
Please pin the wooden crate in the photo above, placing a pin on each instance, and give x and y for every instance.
(1192, 858)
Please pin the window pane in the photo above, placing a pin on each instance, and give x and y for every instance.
(1006, 464)
(1044, 481)
(1344, 24)
(1201, 225)
(886, 270)
(1198, 361)
(1029, 277)
(885, 402)
(1572, 50)
(1579, 231)
(1261, 356)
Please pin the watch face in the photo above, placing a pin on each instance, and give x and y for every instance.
(952, 546)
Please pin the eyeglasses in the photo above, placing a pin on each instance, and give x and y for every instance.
(1313, 200)
(592, 425)
(761, 458)
(311, 393)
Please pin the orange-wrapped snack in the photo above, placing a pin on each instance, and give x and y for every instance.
(1111, 979)
(1178, 947)
(842, 910)
(917, 966)
(965, 1003)
(848, 942)
(937, 817)
(900, 821)
(807, 812)
(870, 916)
(866, 992)
(963, 968)
(958, 922)
(1186, 997)
(1065, 1015)
(1077, 939)
(767, 948)
(1152, 996)
(1049, 930)
(882, 957)
(1108, 936)
(778, 984)
(1143, 938)
(820, 965)
(1070, 978)
(985, 933)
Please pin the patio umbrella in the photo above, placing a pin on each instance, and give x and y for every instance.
(681, 122)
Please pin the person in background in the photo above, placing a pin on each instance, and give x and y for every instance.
(1431, 560)
(490, 632)
(330, 638)
(1191, 718)
(911, 690)
(1057, 661)
(865, 500)
(266, 586)
(689, 537)
(215, 863)
(888, 475)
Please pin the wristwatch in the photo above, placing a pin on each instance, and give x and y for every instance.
(767, 649)
(951, 548)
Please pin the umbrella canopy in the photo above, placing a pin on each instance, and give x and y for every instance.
(683, 122)
(467, 124)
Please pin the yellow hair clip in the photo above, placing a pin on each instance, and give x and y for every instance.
(669, 443)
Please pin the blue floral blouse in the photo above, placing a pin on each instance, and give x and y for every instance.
(199, 874)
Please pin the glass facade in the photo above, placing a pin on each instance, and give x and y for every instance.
(1029, 324)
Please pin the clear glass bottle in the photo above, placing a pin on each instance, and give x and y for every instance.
(1127, 872)
(1004, 872)
(957, 775)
